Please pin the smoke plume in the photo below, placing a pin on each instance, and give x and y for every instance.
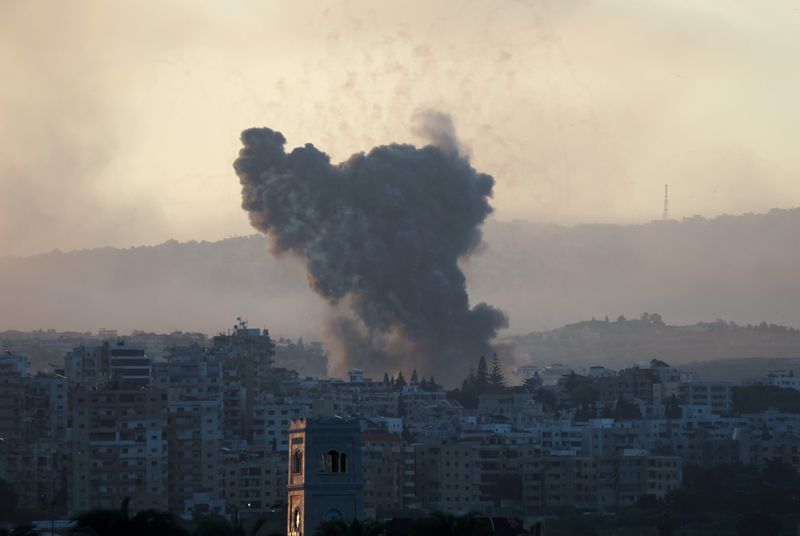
(380, 235)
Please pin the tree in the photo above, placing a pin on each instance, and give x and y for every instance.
(414, 378)
(401, 406)
(673, 408)
(219, 526)
(106, 522)
(8, 501)
(355, 527)
(400, 382)
(757, 398)
(758, 523)
(482, 375)
(534, 382)
(386, 379)
(496, 377)
(20, 530)
(440, 523)
(664, 524)
(625, 410)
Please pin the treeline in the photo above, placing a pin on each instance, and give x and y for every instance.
(736, 499)
(758, 398)
(485, 379)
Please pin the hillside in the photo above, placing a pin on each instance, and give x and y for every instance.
(741, 268)
(619, 343)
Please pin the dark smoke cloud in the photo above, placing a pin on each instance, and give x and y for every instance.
(381, 235)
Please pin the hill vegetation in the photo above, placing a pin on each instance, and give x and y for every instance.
(741, 268)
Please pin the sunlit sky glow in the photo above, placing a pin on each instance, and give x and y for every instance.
(119, 121)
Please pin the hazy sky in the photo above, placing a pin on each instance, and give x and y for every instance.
(119, 121)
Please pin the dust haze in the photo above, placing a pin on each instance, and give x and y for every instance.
(118, 118)
(738, 268)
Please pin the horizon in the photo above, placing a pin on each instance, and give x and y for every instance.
(490, 220)
(581, 112)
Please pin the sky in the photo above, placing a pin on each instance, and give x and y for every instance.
(119, 121)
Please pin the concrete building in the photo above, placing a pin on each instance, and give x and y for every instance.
(128, 363)
(118, 446)
(189, 373)
(117, 360)
(272, 417)
(245, 355)
(597, 482)
(382, 455)
(86, 366)
(517, 408)
(255, 481)
(194, 443)
(783, 378)
(717, 395)
(325, 473)
(448, 477)
(32, 428)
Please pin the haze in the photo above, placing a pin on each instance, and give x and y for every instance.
(119, 120)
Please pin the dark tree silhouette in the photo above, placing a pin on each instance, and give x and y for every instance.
(440, 523)
(664, 524)
(355, 527)
(753, 523)
(496, 377)
(400, 382)
(482, 375)
(105, 522)
(8, 501)
(673, 408)
(20, 530)
(220, 526)
(625, 410)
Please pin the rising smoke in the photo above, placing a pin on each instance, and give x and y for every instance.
(380, 235)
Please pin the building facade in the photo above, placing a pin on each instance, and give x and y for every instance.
(325, 473)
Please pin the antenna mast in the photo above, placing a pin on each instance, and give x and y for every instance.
(665, 214)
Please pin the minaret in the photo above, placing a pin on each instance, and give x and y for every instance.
(665, 214)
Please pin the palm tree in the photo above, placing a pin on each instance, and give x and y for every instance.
(107, 522)
(338, 527)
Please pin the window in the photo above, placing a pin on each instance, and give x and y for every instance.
(297, 462)
(334, 462)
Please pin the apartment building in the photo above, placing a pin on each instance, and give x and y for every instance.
(597, 482)
(255, 481)
(271, 418)
(194, 446)
(717, 395)
(118, 444)
(385, 474)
